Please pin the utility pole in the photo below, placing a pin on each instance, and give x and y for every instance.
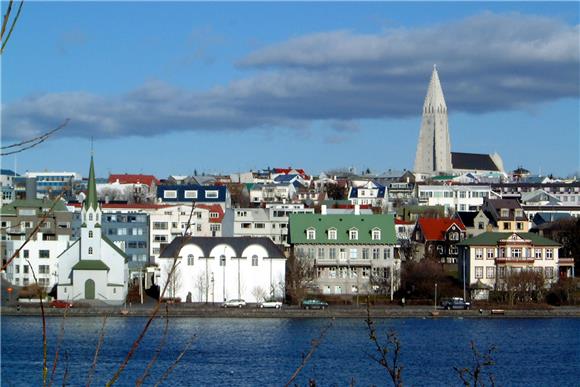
(141, 285)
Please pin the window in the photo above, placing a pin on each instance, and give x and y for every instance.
(332, 233)
(516, 252)
(519, 226)
(321, 253)
(386, 253)
(159, 238)
(90, 216)
(454, 236)
(222, 260)
(214, 215)
(376, 234)
(480, 226)
(479, 253)
(549, 254)
(490, 272)
(25, 269)
(504, 212)
(538, 253)
(365, 272)
(190, 259)
(502, 252)
(311, 234)
(159, 225)
(478, 272)
(25, 253)
(90, 234)
(90, 251)
(365, 253)
(190, 194)
(353, 253)
(549, 272)
(490, 253)
(43, 269)
(198, 227)
(353, 234)
(170, 194)
(211, 194)
(246, 225)
(440, 249)
(453, 250)
(519, 213)
(17, 269)
(254, 260)
(310, 253)
(215, 227)
(332, 253)
(43, 253)
(506, 225)
(260, 225)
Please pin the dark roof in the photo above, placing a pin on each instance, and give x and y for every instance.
(493, 238)
(201, 193)
(473, 161)
(467, 217)
(206, 244)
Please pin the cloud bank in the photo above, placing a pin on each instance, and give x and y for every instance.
(487, 62)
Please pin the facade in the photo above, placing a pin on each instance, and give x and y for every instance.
(270, 222)
(18, 222)
(200, 194)
(52, 184)
(93, 267)
(440, 237)
(454, 197)
(489, 257)
(506, 215)
(434, 147)
(352, 254)
(168, 222)
(271, 193)
(215, 269)
(370, 193)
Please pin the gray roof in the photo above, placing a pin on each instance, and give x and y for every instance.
(473, 161)
(238, 244)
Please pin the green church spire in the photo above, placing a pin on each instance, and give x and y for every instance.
(91, 200)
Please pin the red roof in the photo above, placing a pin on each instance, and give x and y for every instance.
(213, 208)
(407, 222)
(288, 170)
(133, 179)
(434, 229)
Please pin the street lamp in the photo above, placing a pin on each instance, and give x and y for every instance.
(435, 305)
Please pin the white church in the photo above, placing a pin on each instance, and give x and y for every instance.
(93, 267)
(434, 154)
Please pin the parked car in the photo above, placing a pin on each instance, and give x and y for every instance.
(237, 303)
(314, 304)
(455, 303)
(60, 304)
(270, 304)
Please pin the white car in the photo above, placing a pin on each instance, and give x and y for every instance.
(234, 304)
(270, 304)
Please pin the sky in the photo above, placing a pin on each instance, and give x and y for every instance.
(168, 88)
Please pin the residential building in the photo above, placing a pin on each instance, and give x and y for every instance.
(454, 197)
(352, 254)
(440, 237)
(215, 269)
(170, 221)
(271, 193)
(506, 215)
(200, 194)
(93, 267)
(475, 222)
(53, 184)
(38, 256)
(489, 258)
(370, 193)
(7, 185)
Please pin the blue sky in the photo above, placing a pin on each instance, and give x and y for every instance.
(166, 88)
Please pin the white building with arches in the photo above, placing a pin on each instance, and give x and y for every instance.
(93, 267)
(214, 269)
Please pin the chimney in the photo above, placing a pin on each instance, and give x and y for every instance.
(323, 209)
(357, 209)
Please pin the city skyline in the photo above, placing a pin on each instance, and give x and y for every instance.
(172, 88)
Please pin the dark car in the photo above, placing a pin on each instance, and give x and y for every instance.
(60, 304)
(314, 304)
(455, 303)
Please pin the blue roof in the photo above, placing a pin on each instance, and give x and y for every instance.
(202, 196)
(285, 178)
(354, 191)
(8, 172)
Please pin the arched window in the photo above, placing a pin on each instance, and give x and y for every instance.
(332, 233)
(254, 260)
(90, 216)
(90, 251)
(353, 234)
(190, 259)
(311, 233)
(222, 260)
(90, 234)
(376, 234)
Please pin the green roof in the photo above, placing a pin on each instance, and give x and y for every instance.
(492, 239)
(10, 208)
(87, 264)
(91, 200)
(300, 223)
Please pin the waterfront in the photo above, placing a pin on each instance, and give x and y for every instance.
(267, 351)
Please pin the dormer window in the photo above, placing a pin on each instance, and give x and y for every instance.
(505, 212)
(376, 234)
(311, 233)
(332, 233)
(519, 213)
(353, 234)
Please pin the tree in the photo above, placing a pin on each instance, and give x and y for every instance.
(334, 191)
(300, 276)
(259, 293)
(174, 281)
(523, 286)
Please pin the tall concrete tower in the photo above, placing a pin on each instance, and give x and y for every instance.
(434, 148)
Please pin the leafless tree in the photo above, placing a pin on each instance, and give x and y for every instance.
(300, 275)
(479, 373)
(259, 293)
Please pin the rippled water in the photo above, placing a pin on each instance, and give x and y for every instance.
(262, 352)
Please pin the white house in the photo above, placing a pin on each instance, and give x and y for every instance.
(222, 268)
(454, 197)
(93, 267)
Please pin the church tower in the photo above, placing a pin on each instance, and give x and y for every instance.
(434, 148)
(91, 218)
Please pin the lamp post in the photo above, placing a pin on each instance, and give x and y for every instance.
(212, 289)
(435, 304)
(464, 291)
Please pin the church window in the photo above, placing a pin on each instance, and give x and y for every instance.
(90, 216)
(90, 251)
(90, 234)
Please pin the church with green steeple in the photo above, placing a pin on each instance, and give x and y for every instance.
(93, 267)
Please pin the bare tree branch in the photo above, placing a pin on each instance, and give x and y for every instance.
(44, 346)
(140, 380)
(6, 17)
(177, 360)
(31, 143)
(58, 343)
(97, 349)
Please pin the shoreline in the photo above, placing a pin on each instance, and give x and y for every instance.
(187, 311)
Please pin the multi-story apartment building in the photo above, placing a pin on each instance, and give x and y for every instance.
(19, 220)
(190, 193)
(52, 184)
(352, 254)
(454, 197)
(169, 222)
(270, 222)
(489, 257)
